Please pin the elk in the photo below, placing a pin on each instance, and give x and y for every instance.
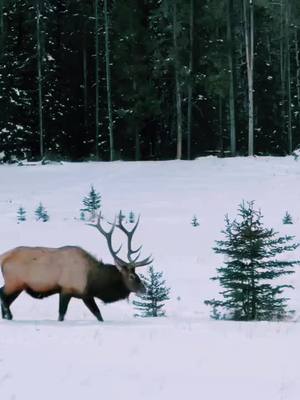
(71, 271)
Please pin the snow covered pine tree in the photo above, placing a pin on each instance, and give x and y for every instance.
(92, 203)
(250, 269)
(152, 302)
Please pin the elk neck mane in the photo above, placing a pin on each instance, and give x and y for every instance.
(107, 280)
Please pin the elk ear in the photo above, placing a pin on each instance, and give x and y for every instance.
(128, 272)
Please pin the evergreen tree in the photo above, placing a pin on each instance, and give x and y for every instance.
(41, 213)
(152, 302)
(21, 214)
(131, 218)
(187, 73)
(92, 203)
(287, 219)
(250, 271)
(195, 221)
(16, 68)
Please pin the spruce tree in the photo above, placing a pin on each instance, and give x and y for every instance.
(195, 221)
(287, 219)
(152, 302)
(21, 214)
(41, 213)
(82, 216)
(131, 217)
(92, 203)
(250, 270)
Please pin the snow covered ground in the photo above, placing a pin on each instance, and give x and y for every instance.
(185, 354)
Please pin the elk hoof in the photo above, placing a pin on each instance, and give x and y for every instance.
(8, 316)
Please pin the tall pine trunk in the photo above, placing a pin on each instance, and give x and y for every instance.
(1, 23)
(177, 85)
(297, 59)
(85, 78)
(282, 52)
(288, 75)
(221, 139)
(190, 83)
(297, 55)
(97, 78)
(1, 47)
(1, 28)
(108, 82)
(39, 57)
(282, 65)
(232, 109)
(137, 139)
(249, 44)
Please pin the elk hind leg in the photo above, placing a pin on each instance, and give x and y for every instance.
(92, 306)
(6, 301)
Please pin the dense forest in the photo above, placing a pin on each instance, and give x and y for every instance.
(148, 79)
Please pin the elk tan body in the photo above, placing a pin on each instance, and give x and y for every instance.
(71, 272)
(43, 269)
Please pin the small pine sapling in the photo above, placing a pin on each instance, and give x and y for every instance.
(41, 213)
(131, 217)
(287, 219)
(21, 214)
(195, 221)
(153, 301)
(92, 203)
(250, 270)
(82, 216)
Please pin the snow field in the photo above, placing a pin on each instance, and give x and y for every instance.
(184, 355)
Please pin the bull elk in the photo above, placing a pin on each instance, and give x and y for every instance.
(71, 271)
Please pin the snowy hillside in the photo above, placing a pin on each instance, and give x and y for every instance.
(185, 354)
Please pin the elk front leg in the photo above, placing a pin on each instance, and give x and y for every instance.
(92, 306)
(64, 300)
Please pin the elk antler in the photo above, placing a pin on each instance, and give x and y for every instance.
(130, 251)
(108, 237)
(133, 263)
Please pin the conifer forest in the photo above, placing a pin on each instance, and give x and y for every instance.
(148, 79)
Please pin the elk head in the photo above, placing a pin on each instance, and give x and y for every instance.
(126, 268)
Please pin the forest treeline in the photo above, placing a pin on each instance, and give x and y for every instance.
(148, 79)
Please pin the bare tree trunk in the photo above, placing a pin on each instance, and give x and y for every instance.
(1, 28)
(268, 40)
(1, 21)
(288, 74)
(190, 84)
(232, 110)
(282, 53)
(137, 140)
(97, 77)
(177, 85)
(297, 55)
(249, 42)
(39, 56)
(221, 139)
(282, 68)
(108, 82)
(1, 46)
(85, 88)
